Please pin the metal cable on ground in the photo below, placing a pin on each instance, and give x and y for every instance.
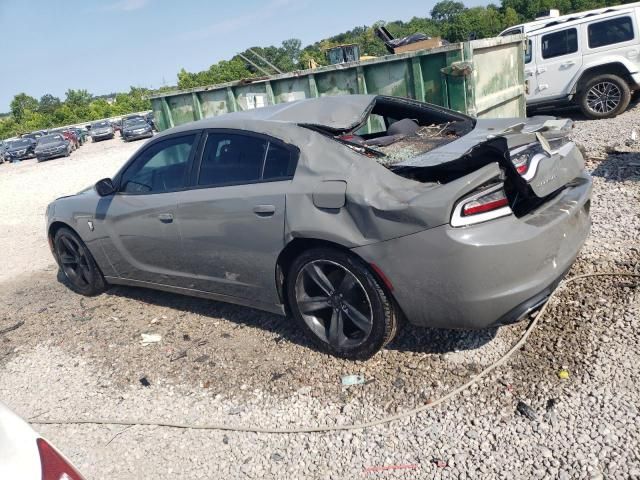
(354, 426)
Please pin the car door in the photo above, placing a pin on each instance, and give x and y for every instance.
(558, 63)
(232, 221)
(140, 219)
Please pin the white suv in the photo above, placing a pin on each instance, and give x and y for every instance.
(589, 58)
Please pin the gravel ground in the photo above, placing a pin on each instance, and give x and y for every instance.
(80, 357)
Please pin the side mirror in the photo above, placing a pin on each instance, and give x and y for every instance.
(105, 187)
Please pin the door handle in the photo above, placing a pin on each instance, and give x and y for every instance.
(568, 63)
(528, 73)
(165, 217)
(264, 210)
(541, 69)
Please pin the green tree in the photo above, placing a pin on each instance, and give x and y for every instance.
(78, 98)
(446, 10)
(21, 105)
(48, 104)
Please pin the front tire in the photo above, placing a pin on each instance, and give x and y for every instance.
(77, 264)
(604, 96)
(339, 304)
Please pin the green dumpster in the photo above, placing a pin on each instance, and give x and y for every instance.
(483, 78)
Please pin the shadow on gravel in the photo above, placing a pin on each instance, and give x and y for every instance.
(618, 167)
(437, 341)
(409, 339)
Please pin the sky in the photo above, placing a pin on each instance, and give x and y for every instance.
(49, 46)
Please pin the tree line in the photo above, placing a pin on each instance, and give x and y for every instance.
(29, 114)
(448, 19)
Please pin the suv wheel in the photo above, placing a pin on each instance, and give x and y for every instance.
(339, 304)
(604, 96)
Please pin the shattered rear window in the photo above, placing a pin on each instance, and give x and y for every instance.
(424, 140)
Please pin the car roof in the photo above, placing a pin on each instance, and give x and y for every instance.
(342, 112)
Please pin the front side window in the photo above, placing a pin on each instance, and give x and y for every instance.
(608, 32)
(513, 31)
(233, 159)
(560, 43)
(160, 168)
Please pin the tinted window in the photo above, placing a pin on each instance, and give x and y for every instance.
(609, 32)
(280, 162)
(231, 159)
(513, 31)
(160, 168)
(560, 43)
(529, 53)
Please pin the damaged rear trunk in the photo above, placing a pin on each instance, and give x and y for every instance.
(430, 144)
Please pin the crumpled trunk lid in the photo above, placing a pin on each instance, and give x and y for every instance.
(553, 160)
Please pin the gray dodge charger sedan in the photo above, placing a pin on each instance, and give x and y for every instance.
(344, 213)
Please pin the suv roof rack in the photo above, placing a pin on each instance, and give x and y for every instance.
(573, 17)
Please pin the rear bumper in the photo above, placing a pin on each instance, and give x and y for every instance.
(487, 274)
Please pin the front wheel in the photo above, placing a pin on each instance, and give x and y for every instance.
(77, 264)
(604, 96)
(340, 304)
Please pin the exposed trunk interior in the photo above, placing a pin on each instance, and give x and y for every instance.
(396, 130)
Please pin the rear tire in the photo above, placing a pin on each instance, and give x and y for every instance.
(339, 304)
(604, 96)
(76, 263)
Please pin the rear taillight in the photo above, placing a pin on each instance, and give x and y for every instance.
(521, 162)
(54, 466)
(487, 203)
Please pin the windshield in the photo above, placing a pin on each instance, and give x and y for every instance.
(101, 125)
(135, 122)
(51, 138)
(23, 142)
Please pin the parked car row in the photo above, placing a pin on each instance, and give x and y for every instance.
(42, 145)
(47, 144)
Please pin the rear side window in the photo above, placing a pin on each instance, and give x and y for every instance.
(560, 43)
(608, 32)
(280, 163)
(233, 159)
(528, 55)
